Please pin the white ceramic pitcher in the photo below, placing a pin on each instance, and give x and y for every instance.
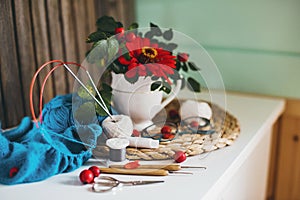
(138, 101)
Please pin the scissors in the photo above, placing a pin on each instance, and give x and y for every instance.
(107, 183)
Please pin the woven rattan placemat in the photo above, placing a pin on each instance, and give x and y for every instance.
(227, 131)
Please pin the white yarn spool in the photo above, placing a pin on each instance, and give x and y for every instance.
(117, 149)
(117, 126)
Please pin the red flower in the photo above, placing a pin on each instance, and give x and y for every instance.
(146, 58)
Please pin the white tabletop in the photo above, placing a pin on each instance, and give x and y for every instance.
(255, 114)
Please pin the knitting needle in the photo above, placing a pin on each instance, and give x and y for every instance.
(176, 172)
(195, 167)
(87, 90)
(95, 88)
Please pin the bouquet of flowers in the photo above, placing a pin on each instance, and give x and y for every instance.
(136, 54)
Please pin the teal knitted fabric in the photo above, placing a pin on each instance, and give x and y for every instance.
(56, 146)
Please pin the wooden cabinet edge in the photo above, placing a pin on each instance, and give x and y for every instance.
(282, 134)
(292, 108)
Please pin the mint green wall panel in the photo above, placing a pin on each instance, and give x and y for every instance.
(255, 44)
(251, 24)
(259, 73)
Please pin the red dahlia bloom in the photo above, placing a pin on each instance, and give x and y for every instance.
(147, 58)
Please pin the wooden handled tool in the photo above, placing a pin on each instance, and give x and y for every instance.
(145, 172)
(171, 167)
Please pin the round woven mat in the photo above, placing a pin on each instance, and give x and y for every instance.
(227, 130)
(226, 126)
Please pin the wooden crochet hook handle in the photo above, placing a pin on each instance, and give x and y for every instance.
(145, 172)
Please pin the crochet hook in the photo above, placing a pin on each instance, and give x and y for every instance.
(87, 90)
(145, 172)
(171, 167)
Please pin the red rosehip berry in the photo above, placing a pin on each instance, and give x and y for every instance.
(13, 171)
(194, 124)
(119, 33)
(119, 30)
(132, 165)
(136, 133)
(179, 156)
(166, 129)
(95, 170)
(86, 176)
(130, 37)
(168, 136)
(183, 57)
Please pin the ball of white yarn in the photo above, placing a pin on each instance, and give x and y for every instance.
(117, 126)
(191, 108)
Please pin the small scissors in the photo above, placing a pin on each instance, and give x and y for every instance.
(107, 183)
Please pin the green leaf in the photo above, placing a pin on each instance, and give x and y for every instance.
(154, 78)
(168, 35)
(119, 24)
(153, 25)
(112, 48)
(100, 111)
(106, 94)
(154, 41)
(184, 67)
(107, 99)
(155, 30)
(163, 46)
(149, 35)
(193, 66)
(133, 79)
(106, 24)
(85, 113)
(133, 26)
(106, 87)
(166, 88)
(102, 44)
(183, 83)
(118, 68)
(96, 36)
(98, 51)
(155, 85)
(178, 65)
(115, 68)
(175, 76)
(92, 57)
(139, 34)
(193, 85)
(171, 47)
(84, 94)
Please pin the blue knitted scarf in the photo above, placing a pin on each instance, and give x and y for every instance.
(56, 146)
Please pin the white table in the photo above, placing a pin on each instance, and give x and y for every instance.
(235, 172)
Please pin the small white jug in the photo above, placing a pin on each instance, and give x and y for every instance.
(138, 101)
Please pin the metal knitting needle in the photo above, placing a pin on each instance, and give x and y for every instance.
(87, 90)
(177, 172)
(97, 91)
(194, 167)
